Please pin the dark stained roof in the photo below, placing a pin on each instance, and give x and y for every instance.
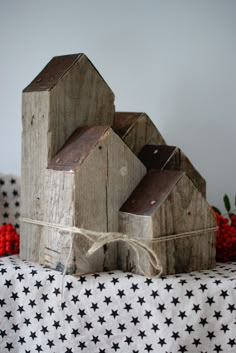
(78, 147)
(123, 121)
(157, 156)
(153, 189)
(52, 73)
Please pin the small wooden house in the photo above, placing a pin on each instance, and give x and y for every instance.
(167, 203)
(137, 130)
(163, 157)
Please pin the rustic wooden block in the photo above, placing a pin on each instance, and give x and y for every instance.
(86, 183)
(137, 130)
(67, 94)
(171, 158)
(165, 203)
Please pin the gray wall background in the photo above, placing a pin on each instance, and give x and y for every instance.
(173, 59)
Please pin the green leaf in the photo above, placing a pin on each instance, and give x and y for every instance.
(227, 203)
(216, 209)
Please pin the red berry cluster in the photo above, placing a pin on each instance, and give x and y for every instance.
(9, 240)
(226, 238)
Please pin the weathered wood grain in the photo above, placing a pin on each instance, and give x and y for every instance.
(67, 94)
(152, 212)
(137, 130)
(171, 158)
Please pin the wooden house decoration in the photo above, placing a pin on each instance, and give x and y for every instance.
(85, 165)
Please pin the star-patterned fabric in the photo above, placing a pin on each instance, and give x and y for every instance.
(10, 199)
(40, 311)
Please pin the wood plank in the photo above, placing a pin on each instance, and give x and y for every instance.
(171, 158)
(184, 209)
(137, 130)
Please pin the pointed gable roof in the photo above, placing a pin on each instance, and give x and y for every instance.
(77, 147)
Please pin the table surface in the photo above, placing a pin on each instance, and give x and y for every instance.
(40, 311)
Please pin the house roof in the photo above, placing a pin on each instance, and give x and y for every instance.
(54, 71)
(157, 156)
(151, 192)
(77, 147)
(123, 121)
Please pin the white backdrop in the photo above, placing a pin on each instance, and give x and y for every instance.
(173, 59)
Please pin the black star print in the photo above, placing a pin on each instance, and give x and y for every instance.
(224, 294)
(168, 287)
(101, 350)
(56, 291)
(21, 340)
(121, 327)
(175, 335)
(232, 342)
(148, 281)
(161, 307)
(62, 337)
(175, 301)
(32, 303)
(141, 300)
(75, 332)
(224, 328)
(134, 286)
(148, 313)
(154, 294)
(82, 345)
(210, 301)
(56, 324)
(196, 342)
(203, 321)
(142, 334)
(101, 320)
(88, 326)
(51, 278)
(88, 293)
(44, 297)
(44, 329)
(128, 340)
(121, 293)
(69, 318)
(2, 302)
(75, 299)
(15, 327)
(217, 315)
(8, 283)
(33, 335)
(162, 341)
(96, 275)
(107, 300)
(82, 279)
(135, 320)
(182, 349)
(231, 307)
(183, 281)
(38, 284)
(210, 335)
(3, 270)
(8, 314)
(81, 312)
(168, 321)
(50, 310)
(155, 327)
(108, 333)
(9, 346)
(50, 343)
(114, 313)
(128, 307)
(196, 307)
(203, 287)
(189, 293)
(3, 333)
(217, 282)
(218, 348)
(148, 348)
(33, 273)
(38, 316)
(27, 322)
(26, 290)
(115, 280)
(101, 286)
(68, 350)
(95, 339)
(94, 306)
(189, 328)
(182, 314)
(20, 277)
(115, 346)
(69, 285)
